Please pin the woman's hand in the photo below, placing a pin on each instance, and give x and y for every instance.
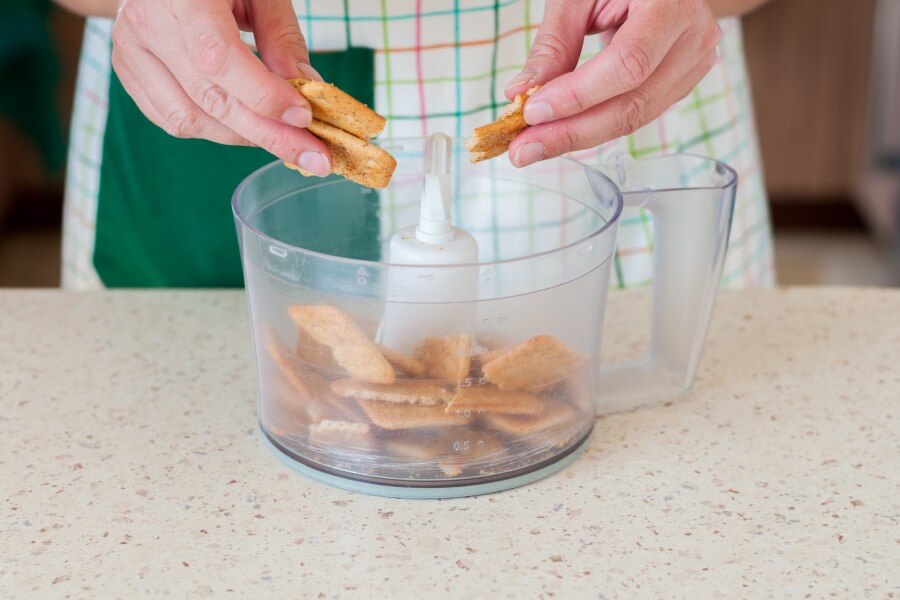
(656, 52)
(187, 69)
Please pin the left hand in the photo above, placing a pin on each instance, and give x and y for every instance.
(656, 52)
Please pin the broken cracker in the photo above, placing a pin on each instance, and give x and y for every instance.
(389, 415)
(451, 469)
(343, 435)
(533, 363)
(357, 160)
(403, 391)
(490, 355)
(291, 371)
(336, 107)
(494, 138)
(446, 357)
(351, 348)
(524, 425)
(284, 412)
(489, 399)
(403, 362)
(304, 395)
(313, 353)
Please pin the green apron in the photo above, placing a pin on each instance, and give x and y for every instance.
(164, 209)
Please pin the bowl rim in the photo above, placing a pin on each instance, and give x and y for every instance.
(610, 223)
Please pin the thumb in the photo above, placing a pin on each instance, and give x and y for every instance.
(279, 40)
(556, 47)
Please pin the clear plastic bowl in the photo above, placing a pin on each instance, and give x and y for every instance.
(448, 380)
(510, 345)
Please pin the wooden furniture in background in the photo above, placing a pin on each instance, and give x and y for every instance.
(809, 63)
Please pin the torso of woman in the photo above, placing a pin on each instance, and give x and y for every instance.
(134, 196)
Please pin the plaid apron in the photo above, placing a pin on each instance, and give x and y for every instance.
(443, 67)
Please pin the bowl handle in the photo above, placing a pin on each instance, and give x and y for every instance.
(691, 224)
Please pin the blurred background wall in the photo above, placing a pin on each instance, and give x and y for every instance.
(826, 82)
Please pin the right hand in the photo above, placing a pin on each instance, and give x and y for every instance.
(187, 69)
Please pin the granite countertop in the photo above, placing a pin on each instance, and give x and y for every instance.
(131, 465)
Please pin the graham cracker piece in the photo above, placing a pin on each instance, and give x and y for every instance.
(284, 412)
(341, 435)
(447, 357)
(494, 138)
(287, 366)
(346, 125)
(420, 448)
(535, 362)
(490, 355)
(403, 362)
(336, 107)
(525, 425)
(451, 469)
(313, 353)
(402, 391)
(357, 160)
(389, 415)
(341, 409)
(484, 399)
(351, 348)
(301, 395)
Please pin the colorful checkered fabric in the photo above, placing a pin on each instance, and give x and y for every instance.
(443, 67)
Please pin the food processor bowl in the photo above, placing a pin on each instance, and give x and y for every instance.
(443, 380)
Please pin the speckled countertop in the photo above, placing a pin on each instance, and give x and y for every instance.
(130, 465)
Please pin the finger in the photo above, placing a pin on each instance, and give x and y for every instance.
(136, 91)
(556, 47)
(614, 118)
(279, 40)
(169, 108)
(634, 53)
(289, 143)
(213, 43)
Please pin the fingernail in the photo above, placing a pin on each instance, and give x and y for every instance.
(538, 112)
(315, 163)
(297, 116)
(526, 76)
(529, 153)
(308, 71)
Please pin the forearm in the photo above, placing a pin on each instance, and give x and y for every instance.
(91, 8)
(734, 8)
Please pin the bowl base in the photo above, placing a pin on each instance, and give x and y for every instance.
(426, 490)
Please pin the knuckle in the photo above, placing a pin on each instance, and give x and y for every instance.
(277, 143)
(212, 54)
(182, 123)
(266, 102)
(215, 102)
(689, 9)
(573, 97)
(134, 13)
(288, 34)
(549, 46)
(569, 139)
(632, 112)
(634, 66)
